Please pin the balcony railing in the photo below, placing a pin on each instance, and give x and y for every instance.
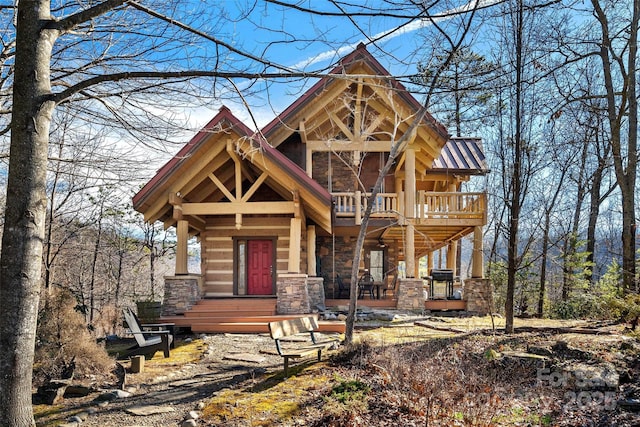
(428, 206)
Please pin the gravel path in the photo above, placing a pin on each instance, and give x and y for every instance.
(229, 360)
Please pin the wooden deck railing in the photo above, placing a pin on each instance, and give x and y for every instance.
(428, 206)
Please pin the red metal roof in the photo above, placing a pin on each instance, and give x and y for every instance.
(226, 116)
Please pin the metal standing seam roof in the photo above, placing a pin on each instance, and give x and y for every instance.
(462, 154)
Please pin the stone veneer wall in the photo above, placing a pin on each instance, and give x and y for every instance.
(292, 294)
(478, 293)
(410, 295)
(181, 293)
(315, 287)
(344, 255)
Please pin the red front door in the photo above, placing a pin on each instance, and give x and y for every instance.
(259, 276)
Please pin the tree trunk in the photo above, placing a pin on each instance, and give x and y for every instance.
(21, 258)
(625, 171)
(516, 196)
(94, 262)
(594, 213)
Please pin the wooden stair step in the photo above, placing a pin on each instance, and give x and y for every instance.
(228, 313)
(227, 304)
(257, 327)
(243, 318)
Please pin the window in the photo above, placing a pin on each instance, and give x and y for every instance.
(242, 267)
(376, 265)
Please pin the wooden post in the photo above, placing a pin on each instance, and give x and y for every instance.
(410, 208)
(311, 251)
(452, 251)
(295, 245)
(137, 364)
(358, 201)
(477, 263)
(181, 247)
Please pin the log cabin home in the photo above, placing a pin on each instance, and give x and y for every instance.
(277, 212)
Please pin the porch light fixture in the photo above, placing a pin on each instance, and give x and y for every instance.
(381, 243)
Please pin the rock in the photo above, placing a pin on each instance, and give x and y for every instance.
(193, 415)
(565, 350)
(189, 423)
(75, 419)
(200, 406)
(112, 395)
(78, 391)
(540, 351)
(149, 410)
(82, 415)
(245, 357)
(583, 376)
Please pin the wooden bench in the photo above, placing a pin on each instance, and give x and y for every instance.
(285, 332)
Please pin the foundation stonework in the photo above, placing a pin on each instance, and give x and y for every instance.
(181, 293)
(292, 294)
(410, 295)
(478, 293)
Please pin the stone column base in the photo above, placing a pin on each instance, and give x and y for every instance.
(410, 295)
(181, 293)
(478, 293)
(292, 294)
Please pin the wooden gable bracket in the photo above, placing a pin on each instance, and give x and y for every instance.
(177, 202)
(254, 187)
(222, 187)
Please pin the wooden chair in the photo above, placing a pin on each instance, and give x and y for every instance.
(365, 284)
(342, 287)
(147, 342)
(392, 285)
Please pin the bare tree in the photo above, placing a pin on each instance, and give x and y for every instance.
(618, 49)
(42, 79)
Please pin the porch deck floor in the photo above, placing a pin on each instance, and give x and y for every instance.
(390, 303)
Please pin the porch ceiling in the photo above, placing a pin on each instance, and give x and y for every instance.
(428, 238)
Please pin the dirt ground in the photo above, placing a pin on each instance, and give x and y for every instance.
(416, 371)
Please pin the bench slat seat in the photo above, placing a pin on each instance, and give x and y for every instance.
(298, 338)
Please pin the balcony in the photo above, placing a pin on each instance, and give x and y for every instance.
(431, 208)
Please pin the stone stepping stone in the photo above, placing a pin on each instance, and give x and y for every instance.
(149, 410)
(245, 357)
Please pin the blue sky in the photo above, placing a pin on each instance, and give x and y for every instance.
(312, 43)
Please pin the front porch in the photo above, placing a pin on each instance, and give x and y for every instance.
(252, 314)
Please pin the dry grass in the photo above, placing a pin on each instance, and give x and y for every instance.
(411, 375)
(270, 402)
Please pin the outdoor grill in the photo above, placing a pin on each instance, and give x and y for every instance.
(442, 275)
